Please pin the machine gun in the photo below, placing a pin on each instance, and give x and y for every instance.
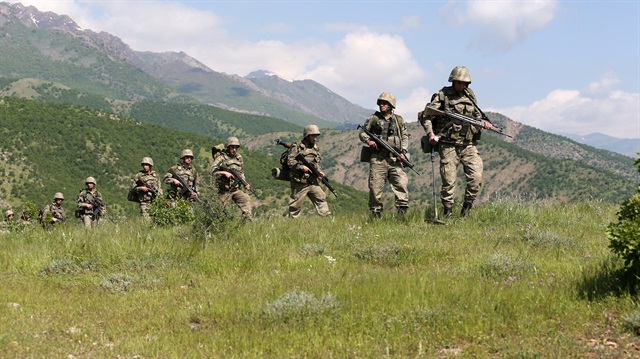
(316, 173)
(456, 116)
(185, 186)
(238, 178)
(152, 189)
(382, 143)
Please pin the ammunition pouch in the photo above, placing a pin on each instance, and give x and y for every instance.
(425, 145)
(365, 154)
(79, 213)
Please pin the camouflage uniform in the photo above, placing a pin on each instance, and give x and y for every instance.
(383, 165)
(53, 210)
(458, 140)
(188, 173)
(302, 183)
(227, 190)
(90, 216)
(9, 223)
(150, 180)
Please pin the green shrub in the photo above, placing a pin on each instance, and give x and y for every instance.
(623, 235)
(163, 215)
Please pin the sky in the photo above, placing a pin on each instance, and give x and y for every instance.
(560, 66)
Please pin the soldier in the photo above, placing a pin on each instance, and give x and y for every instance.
(9, 221)
(303, 184)
(456, 139)
(147, 186)
(188, 173)
(229, 187)
(90, 204)
(53, 213)
(383, 165)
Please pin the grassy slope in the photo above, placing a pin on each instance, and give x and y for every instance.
(513, 280)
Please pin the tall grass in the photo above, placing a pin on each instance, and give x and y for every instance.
(514, 279)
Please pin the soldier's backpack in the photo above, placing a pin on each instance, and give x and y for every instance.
(283, 173)
(217, 150)
(133, 195)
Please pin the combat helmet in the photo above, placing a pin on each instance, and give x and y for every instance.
(387, 96)
(232, 141)
(186, 153)
(147, 161)
(90, 180)
(460, 73)
(59, 195)
(8, 213)
(311, 130)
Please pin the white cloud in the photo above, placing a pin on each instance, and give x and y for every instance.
(615, 113)
(503, 24)
(364, 64)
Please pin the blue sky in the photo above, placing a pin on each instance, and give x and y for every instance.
(561, 66)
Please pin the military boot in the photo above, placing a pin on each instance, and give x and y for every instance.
(376, 214)
(447, 211)
(466, 207)
(402, 210)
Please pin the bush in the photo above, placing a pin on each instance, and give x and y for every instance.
(623, 235)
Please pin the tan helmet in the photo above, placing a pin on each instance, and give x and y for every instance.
(389, 97)
(8, 213)
(460, 73)
(59, 195)
(186, 153)
(232, 141)
(90, 180)
(311, 130)
(147, 161)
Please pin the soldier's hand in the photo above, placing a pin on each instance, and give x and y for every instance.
(372, 144)
(194, 195)
(54, 219)
(177, 183)
(144, 189)
(487, 125)
(248, 187)
(89, 206)
(229, 175)
(433, 139)
(306, 169)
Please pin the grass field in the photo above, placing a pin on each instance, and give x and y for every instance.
(514, 280)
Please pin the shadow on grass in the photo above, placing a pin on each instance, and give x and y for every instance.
(609, 278)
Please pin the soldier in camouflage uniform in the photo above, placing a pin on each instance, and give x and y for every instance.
(383, 166)
(147, 186)
(53, 213)
(228, 187)
(188, 173)
(9, 222)
(90, 204)
(303, 184)
(456, 140)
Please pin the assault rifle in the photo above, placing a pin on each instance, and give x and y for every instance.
(456, 116)
(237, 179)
(382, 143)
(185, 186)
(316, 173)
(60, 217)
(98, 210)
(152, 189)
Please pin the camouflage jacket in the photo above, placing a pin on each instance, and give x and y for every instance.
(392, 130)
(55, 211)
(189, 175)
(86, 197)
(145, 179)
(222, 162)
(311, 153)
(451, 130)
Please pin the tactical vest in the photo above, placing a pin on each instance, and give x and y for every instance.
(455, 131)
(311, 154)
(389, 130)
(235, 163)
(150, 179)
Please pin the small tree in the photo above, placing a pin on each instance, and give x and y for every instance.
(624, 235)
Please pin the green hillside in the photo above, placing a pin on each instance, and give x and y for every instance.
(46, 148)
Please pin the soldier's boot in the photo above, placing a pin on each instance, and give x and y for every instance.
(402, 210)
(376, 214)
(447, 211)
(466, 207)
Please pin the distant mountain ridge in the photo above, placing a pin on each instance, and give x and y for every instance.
(626, 146)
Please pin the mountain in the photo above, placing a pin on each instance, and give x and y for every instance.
(626, 146)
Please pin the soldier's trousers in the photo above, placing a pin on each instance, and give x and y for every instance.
(381, 169)
(90, 220)
(144, 210)
(241, 199)
(450, 157)
(299, 191)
